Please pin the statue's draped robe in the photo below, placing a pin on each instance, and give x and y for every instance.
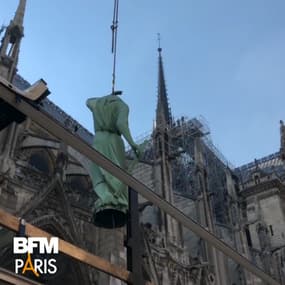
(110, 114)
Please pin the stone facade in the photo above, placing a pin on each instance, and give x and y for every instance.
(262, 191)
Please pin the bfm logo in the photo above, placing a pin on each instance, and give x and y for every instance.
(39, 246)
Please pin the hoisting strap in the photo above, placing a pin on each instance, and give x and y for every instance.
(114, 28)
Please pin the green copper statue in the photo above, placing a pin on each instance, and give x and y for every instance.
(110, 115)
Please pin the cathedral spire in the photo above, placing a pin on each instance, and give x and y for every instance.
(163, 113)
(20, 13)
(10, 44)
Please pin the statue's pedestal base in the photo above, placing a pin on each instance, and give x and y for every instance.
(109, 218)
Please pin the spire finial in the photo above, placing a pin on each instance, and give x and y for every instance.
(158, 39)
(163, 113)
(20, 13)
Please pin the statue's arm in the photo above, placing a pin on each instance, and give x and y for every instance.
(123, 127)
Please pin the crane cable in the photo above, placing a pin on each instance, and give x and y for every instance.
(114, 28)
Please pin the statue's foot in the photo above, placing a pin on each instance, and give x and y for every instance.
(109, 218)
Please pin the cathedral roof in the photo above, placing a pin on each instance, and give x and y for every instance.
(267, 165)
(57, 113)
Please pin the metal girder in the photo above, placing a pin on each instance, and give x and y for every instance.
(53, 127)
(133, 242)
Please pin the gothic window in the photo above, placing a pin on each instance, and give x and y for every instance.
(9, 49)
(271, 230)
(79, 183)
(256, 179)
(234, 215)
(178, 282)
(41, 161)
(163, 243)
(248, 237)
(200, 182)
(159, 147)
(262, 235)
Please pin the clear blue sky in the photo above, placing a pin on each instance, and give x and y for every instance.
(223, 59)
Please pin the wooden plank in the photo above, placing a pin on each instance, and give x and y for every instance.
(12, 223)
(35, 92)
(15, 279)
(48, 123)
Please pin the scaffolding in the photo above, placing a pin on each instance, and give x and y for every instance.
(182, 134)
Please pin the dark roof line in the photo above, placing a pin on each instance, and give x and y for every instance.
(258, 161)
(57, 113)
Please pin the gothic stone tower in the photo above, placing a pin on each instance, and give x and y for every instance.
(162, 143)
(10, 45)
(168, 251)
